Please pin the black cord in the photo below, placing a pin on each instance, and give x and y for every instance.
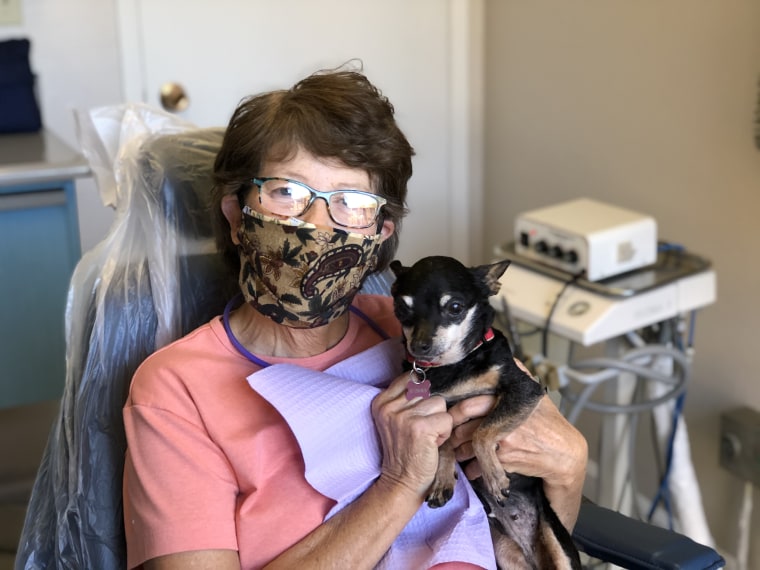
(757, 117)
(513, 335)
(545, 332)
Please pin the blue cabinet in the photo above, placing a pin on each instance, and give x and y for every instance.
(39, 248)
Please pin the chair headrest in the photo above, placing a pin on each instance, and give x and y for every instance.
(178, 169)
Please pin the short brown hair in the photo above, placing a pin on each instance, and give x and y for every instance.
(335, 114)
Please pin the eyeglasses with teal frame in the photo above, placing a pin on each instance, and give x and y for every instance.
(349, 208)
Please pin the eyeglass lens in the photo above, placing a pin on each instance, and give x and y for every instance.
(350, 208)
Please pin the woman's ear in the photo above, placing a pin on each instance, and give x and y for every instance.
(387, 229)
(233, 213)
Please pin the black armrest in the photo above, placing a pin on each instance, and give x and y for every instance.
(630, 543)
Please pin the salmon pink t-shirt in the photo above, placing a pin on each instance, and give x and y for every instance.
(212, 465)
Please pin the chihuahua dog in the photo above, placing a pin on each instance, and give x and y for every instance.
(453, 352)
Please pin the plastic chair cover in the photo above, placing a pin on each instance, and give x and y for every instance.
(128, 296)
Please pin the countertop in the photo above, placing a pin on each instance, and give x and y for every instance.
(37, 157)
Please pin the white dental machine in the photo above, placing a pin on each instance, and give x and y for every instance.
(593, 273)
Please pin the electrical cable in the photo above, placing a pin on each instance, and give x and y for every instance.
(642, 363)
(664, 333)
(745, 519)
(757, 117)
(508, 324)
(669, 334)
(662, 337)
(692, 326)
(633, 425)
(609, 368)
(663, 491)
(547, 325)
(635, 362)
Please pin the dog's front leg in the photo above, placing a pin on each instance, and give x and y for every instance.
(508, 413)
(445, 477)
(485, 446)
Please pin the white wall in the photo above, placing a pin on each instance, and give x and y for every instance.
(75, 57)
(649, 105)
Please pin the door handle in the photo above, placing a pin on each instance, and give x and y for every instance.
(173, 97)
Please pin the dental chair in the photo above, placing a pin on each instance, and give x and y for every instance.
(156, 276)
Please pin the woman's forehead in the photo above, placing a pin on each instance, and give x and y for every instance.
(300, 164)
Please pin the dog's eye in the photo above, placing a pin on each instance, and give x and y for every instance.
(455, 308)
(402, 310)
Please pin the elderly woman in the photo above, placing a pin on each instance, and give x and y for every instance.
(311, 186)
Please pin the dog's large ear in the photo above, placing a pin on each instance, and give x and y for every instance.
(490, 274)
(397, 267)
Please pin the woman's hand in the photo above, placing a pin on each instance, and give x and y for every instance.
(410, 434)
(545, 445)
(359, 535)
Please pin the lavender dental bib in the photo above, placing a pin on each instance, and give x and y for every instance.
(343, 456)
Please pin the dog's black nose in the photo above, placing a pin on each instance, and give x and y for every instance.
(422, 347)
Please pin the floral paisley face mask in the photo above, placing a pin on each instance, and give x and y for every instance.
(299, 275)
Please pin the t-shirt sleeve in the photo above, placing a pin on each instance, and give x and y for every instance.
(179, 489)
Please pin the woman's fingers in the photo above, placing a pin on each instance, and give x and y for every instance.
(410, 433)
(472, 408)
(545, 445)
(466, 416)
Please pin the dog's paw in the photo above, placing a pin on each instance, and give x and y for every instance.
(498, 486)
(441, 491)
(439, 497)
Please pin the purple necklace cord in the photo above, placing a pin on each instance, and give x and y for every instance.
(372, 324)
(263, 363)
(235, 342)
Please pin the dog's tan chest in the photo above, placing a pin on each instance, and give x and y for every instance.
(484, 383)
